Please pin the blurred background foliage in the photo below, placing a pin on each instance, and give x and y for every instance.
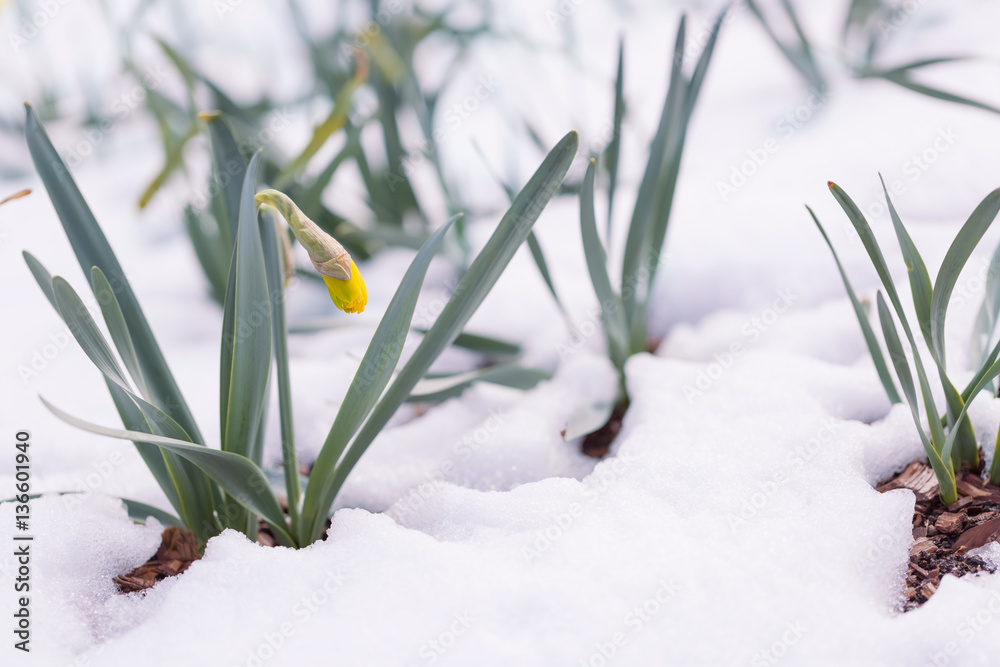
(366, 104)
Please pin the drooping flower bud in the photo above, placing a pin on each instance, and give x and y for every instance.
(334, 263)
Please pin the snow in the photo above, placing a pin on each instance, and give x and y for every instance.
(735, 521)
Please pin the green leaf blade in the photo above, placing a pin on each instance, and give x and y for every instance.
(118, 328)
(270, 229)
(482, 274)
(920, 280)
(941, 465)
(229, 169)
(612, 312)
(613, 151)
(515, 376)
(370, 380)
(83, 327)
(866, 329)
(954, 261)
(240, 476)
(92, 249)
(246, 347)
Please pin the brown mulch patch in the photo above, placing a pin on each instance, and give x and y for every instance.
(178, 549)
(944, 533)
(598, 443)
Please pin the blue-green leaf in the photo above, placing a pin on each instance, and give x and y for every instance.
(92, 249)
(238, 475)
(246, 339)
(372, 376)
(866, 329)
(482, 274)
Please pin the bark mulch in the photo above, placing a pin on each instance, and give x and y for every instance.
(178, 549)
(943, 534)
(598, 443)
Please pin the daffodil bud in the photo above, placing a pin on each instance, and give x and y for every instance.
(334, 263)
(327, 255)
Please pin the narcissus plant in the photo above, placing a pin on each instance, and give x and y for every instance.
(949, 440)
(213, 489)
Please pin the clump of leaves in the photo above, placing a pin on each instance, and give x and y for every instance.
(377, 57)
(625, 305)
(949, 440)
(213, 489)
(867, 27)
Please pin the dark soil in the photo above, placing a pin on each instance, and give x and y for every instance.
(942, 533)
(598, 443)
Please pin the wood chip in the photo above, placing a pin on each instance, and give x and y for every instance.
(949, 523)
(963, 502)
(984, 517)
(923, 546)
(977, 536)
(918, 477)
(967, 489)
(942, 533)
(973, 479)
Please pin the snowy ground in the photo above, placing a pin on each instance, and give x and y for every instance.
(735, 521)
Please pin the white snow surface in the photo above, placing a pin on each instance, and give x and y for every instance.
(735, 521)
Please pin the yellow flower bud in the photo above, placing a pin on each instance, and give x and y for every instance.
(342, 277)
(349, 295)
